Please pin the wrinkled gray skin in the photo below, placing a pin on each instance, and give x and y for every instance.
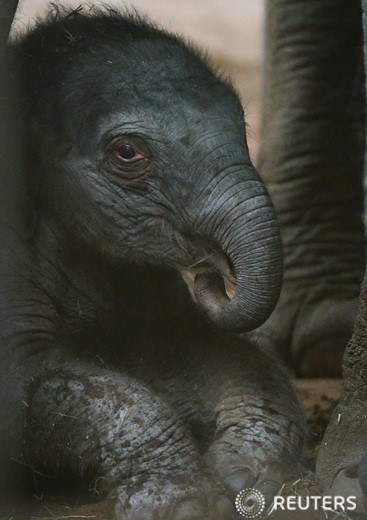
(312, 163)
(342, 463)
(312, 160)
(112, 378)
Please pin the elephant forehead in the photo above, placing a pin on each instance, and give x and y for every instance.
(150, 94)
(157, 75)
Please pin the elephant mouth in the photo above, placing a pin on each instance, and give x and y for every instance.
(212, 281)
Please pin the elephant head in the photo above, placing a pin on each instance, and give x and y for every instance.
(147, 161)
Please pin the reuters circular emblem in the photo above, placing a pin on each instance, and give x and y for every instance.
(250, 503)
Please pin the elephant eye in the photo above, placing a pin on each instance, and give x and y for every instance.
(127, 158)
(128, 153)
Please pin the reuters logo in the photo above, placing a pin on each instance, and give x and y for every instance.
(250, 503)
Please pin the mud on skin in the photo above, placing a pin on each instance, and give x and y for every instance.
(147, 234)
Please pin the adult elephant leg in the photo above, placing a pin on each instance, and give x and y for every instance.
(342, 460)
(312, 162)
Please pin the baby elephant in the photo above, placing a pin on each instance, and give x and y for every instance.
(146, 218)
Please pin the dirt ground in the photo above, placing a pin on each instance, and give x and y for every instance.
(319, 398)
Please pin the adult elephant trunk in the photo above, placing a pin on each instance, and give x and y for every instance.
(240, 285)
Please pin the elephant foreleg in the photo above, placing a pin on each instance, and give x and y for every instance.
(259, 427)
(312, 162)
(108, 431)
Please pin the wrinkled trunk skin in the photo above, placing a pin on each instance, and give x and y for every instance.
(312, 163)
(248, 233)
(345, 442)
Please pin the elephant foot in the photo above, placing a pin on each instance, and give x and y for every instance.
(310, 330)
(174, 497)
(240, 473)
(255, 454)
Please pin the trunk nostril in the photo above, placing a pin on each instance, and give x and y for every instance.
(212, 280)
(223, 265)
(230, 288)
(209, 290)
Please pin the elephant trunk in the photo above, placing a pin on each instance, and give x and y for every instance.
(241, 287)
